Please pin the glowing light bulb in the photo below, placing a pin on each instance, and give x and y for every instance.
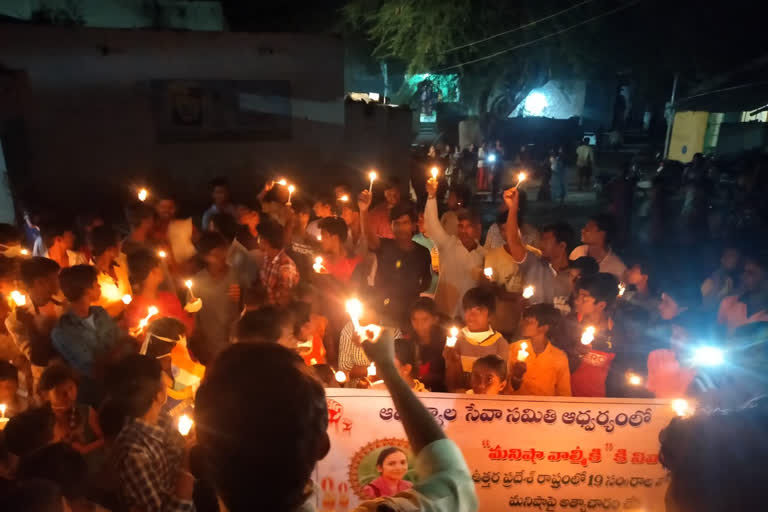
(708, 356)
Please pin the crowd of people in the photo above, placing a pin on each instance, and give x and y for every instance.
(111, 341)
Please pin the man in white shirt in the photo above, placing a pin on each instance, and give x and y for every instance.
(461, 256)
(585, 159)
(596, 236)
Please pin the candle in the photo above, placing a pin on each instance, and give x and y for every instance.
(18, 298)
(161, 253)
(372, 176)
(520, 178)
(434, 171)
(3, 419)
(681, 407)
(522, 354)
(2, 410)
(151, 311)
(341, 377)
(622, 289)
(188, 284)
(291, 188)
(318, 265)
(344, 198)
(319, 238)
(528, 292)
(634, 379)
(588, 336)
(143, 194)
(127, 299)
(450, 341)
(282, 182)
(313, 361)
(488, 271)
(24, 252)
(372, 370)
(185, 424)
(355, 311)
(370, 332)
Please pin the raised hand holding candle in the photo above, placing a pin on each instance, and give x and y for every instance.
(450, 341)
(588, 336)
(434, 172)
(185, 424)
(523, 354)
(372, 176)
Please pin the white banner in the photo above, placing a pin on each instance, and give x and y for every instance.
(524, 453)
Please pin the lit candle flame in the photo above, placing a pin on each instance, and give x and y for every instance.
(151, 311)
(344, 198)
(188, 284)
(291, 188)
(681, 407)
(372, 370)
(24, 252)
(588, 336)
(2, 410)
(127, 299)
(319, 238)
(528, 292)
(18, 298)
(522, 354)
(372, 176)
(434, 171)
(488, 271)
(162, 254)
(634, 379)
(185, 424)
(355, 311)
(341, 377)
(143, 194)
(450, 341)
(622, 289)
(318, 265)
(521, 178)
(282, 182)
(313, 361)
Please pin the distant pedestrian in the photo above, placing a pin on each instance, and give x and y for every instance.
(585, 159)
(559, 175)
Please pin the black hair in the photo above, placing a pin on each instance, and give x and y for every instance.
(134, 383)
(165, 327)
(406, 352)
(300, 313)
(586, 264)
(54, 229)
(102, 238)
(37, 268)
(461, 192)
(602, 286)
(563, 233)
(225, 224)
(209, 241)
(545, 314)
(75, 281)
(8, 371)
(232, 434)
(137, 213)
(32, 496)
(392, 182)
(29, 430)
(424, 304)
(262, 325)
(272, 232)
(55, 375)
(300, 207)
(111, 418)
(325, 200)
(501, 217)
(494, 363)
(711, 458)
(140, 264)
(324, 372)
(9, 234)
(403, 208)
(58, 463)
(218, 181)
(9, 267)
(335, 226)
(607, 224)
(479, 297)
(386, 452)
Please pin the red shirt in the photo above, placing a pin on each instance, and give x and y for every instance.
(167, 304)
(380, 223)
(589, 377)
(343, 268)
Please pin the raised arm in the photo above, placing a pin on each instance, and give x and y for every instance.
(515, 243)
(364, 203)
(432, 223)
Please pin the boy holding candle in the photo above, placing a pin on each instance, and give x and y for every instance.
(475, 340)
(279, 275)
(141, 219)
(539, 368)
(380, 220)
(112, 270)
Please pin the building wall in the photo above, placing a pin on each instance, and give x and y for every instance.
(687, 135)
(91, 122)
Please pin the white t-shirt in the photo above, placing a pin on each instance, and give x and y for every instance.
(610, 264)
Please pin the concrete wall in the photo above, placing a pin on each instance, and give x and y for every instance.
(91, 122)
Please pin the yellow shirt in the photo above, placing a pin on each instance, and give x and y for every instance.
(547, 374)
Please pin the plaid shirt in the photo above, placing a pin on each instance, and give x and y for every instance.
(278, 273)
(352, 354)
(147, 459)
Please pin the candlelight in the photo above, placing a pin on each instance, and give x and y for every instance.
(528, 292)
(370, 332)
(488, 271)
(450, 341)
(622, 289)
(188, 284)
(25, 252)
(354, 310)
(185, 424)
(341, 377)
(522, 354)
(319, 238)
(434, 171)
(372, 370)
(372, 176)
(2, 410)
(681, 407)
(143, 194)
(634, 379)
(344, 198)
(162, 254)
(151, 311)
(282, 182)
(127, 299)
(521, 178)
(588, 336)
(18, 298)
(291, 188)
(318, 265)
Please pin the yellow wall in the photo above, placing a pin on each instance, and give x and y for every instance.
(687, 135)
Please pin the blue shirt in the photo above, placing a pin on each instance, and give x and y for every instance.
(230, 208)
(80, 341)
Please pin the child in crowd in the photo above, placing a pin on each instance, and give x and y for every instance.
(112, 270)
(751, 303)
(75, 423)
(9, 390)
(541, 368)
(86, 336)
(429, 338)
(725, 280)
(639, 291)
(475, 340)
(59, 240)
(407, 364)
(219, 287)
(489, 376)
(146, 277)
(336, 258)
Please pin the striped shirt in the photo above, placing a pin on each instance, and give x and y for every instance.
(351, 354)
